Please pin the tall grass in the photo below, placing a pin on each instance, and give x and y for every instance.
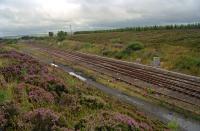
(5, 95)
(189, 64)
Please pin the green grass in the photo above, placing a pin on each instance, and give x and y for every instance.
(4, 62)
(173, 126)
(6, 95)
(170, 45)
(189, 64)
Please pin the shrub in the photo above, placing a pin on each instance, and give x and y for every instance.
(42, 119)
(121, 55)
(11, 41)
(25, 66)
(37, 94)
(8, 114)
(133, 46)
(189, 64)
(5, 95)
(93, 102)
(3, 120)
(56, 85)
(81, 124)
(112, 121)
(61, 35)
(69, 100)
(48, 82)
(173, 125)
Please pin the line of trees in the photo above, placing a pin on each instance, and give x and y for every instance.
(145, 28)
(60, 36)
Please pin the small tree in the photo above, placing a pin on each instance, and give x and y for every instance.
(51, 34)
(61, 35)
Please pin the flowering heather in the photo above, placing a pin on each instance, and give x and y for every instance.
(25, 65)
(131, 122)
(111, 121)
(20, 88)
(3, 120)
(56, 128)
(145, 126)
(79, 108)
(30, 71)
(37, 94)
(126, 120)
(42, 118)
(47, 82)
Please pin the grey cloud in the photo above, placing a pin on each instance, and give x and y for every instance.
(35, 16)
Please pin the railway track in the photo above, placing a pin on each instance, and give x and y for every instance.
(185, 88)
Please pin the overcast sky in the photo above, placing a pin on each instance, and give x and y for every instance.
(38, 16)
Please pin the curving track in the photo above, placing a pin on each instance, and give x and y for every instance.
(177, 86)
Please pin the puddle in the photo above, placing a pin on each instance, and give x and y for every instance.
(77, 76)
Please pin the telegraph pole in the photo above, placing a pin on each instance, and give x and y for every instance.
(70, 27)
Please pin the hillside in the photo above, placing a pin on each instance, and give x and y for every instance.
(35, 96)
(179, 50)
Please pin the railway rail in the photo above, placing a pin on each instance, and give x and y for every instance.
(184, 88)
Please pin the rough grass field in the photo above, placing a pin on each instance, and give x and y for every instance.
(35, 96)
(179, 49)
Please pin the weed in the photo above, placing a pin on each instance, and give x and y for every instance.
(25, 104)
(149, 90)
(5, 95)
(173, 125)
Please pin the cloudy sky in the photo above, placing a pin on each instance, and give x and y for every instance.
(18, 17)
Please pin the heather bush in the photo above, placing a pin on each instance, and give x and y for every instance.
(2, 81)
(62, 122)
(37, 94)
(48, 82)
(30, 71)
(111, 121)
(42, 119)
(3, 120)
(25, 66)
(93, 102)
(9, 113)
(56, 85)
(56, 128)
(70, 101)
(38, 87)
